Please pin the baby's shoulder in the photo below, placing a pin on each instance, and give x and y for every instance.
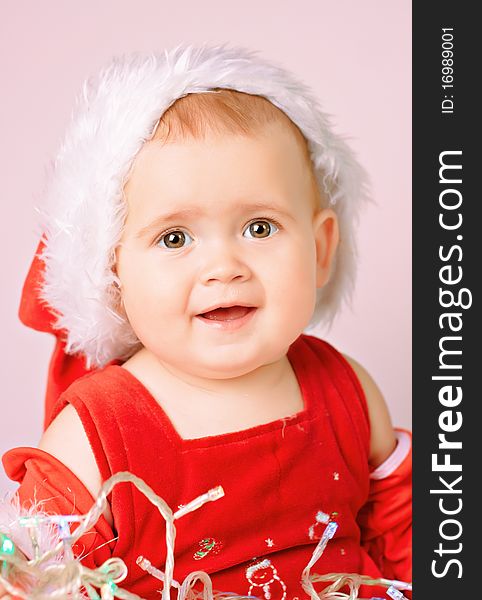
(337, 364)
(101, 396)
(93, 396)
(100, 382)
(382, 435)
(66, 439)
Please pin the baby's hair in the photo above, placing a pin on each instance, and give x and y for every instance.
(116, 113)
(228, 112)
(220, 111)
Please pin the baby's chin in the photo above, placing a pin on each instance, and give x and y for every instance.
(224, 363)
(228, 370)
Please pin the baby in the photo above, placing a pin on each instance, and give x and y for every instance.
(183, 267)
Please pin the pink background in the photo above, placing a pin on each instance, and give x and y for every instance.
(355, 55)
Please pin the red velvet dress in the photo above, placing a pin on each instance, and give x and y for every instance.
(276, 477)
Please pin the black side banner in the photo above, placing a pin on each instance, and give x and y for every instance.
(447, 236)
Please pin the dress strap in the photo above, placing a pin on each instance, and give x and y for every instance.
(341, 396)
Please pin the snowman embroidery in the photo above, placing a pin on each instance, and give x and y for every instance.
(265, 576)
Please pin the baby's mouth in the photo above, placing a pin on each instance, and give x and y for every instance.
(228, 313)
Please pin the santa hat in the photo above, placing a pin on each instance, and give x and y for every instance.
(71, 287)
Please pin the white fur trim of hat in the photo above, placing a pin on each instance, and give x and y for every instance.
(115, 113)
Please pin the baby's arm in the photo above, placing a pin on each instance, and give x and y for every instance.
(382, 438)
(386, 518)
(66, 439)
(57, 478)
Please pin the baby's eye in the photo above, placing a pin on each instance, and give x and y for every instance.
(174, 239)
(260, 229)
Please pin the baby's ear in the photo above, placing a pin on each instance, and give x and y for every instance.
(119, 304)
(326, 232)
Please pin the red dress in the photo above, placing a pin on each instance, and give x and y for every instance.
(276, 476)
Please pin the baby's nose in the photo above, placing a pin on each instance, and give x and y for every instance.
(224, 265)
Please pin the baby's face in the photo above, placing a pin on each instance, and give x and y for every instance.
(220, 257)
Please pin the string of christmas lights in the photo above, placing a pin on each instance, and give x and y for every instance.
(56, 573)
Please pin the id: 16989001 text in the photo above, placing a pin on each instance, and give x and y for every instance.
(447, 70)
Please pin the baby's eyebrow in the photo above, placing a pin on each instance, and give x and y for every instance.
(264, 206)
(161, 220)
(190, 213)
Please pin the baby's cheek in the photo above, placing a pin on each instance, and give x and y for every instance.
(292, 309)
(296, 300)
(297, 280)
